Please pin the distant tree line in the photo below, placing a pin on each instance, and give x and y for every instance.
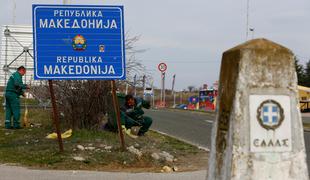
(303, 73)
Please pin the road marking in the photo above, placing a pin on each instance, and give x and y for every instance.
(181, 139)
(209, 121)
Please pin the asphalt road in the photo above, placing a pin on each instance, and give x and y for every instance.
(189, 126)
(194, 127)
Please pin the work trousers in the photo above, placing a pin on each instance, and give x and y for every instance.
(145, 122)
(12, 108)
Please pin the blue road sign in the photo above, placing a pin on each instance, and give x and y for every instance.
(78, 42)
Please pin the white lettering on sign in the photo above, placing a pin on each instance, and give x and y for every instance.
(78, 69)
(270, 123)
(78, 59)
(78, 13)
(78, 23)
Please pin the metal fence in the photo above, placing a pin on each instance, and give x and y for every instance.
(16, 50)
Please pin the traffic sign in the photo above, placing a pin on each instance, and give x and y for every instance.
(162, 67)
(78, 42)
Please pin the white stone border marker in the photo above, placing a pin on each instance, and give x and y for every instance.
(258, 132)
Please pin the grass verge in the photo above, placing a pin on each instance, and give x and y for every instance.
(29, 147)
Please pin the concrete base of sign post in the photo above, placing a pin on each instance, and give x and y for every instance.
(258, 133)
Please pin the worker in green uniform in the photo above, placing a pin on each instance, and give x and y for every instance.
(14, 89)
(132, 114)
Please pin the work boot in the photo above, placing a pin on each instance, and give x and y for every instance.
(8, 125)
(17, 126)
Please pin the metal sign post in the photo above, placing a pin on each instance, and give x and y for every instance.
(79, 42)
(172, 90)
(161, 89)
(118, 117)
(164, 90)
(55, 115)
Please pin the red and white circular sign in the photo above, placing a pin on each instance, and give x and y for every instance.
(162, 67)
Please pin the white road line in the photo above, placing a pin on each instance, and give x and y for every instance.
(181, 139)
(209, 121)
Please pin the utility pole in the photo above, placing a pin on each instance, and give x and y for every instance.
(247, 19)
(14, 12)
(134, 85)
(153, 93)
(181, 97)
(143, 84)
(252, 30)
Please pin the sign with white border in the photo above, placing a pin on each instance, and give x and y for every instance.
(270, 123)
(74, 42)
(162, 67)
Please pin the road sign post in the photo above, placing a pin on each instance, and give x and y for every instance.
(164, 90)
(162, 67)
(172, 90)
(117, 112)
(55, 115)
(78, 42)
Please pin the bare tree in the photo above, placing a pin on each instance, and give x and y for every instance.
(191, 88)
(134, 65)
(85, 104)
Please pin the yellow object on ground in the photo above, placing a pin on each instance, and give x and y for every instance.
(25, 119)
(128, 132)
(63, 135)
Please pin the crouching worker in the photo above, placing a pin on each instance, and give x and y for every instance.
(132, 114)
(15, 88)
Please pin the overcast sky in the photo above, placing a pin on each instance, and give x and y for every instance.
(190, 36)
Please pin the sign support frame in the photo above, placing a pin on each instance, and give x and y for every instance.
(55, 115)
(117, 113)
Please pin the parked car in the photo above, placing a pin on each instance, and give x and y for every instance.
(181, 106)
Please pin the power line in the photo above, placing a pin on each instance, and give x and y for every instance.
(181, 62)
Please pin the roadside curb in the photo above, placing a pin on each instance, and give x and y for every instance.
(181, 139)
